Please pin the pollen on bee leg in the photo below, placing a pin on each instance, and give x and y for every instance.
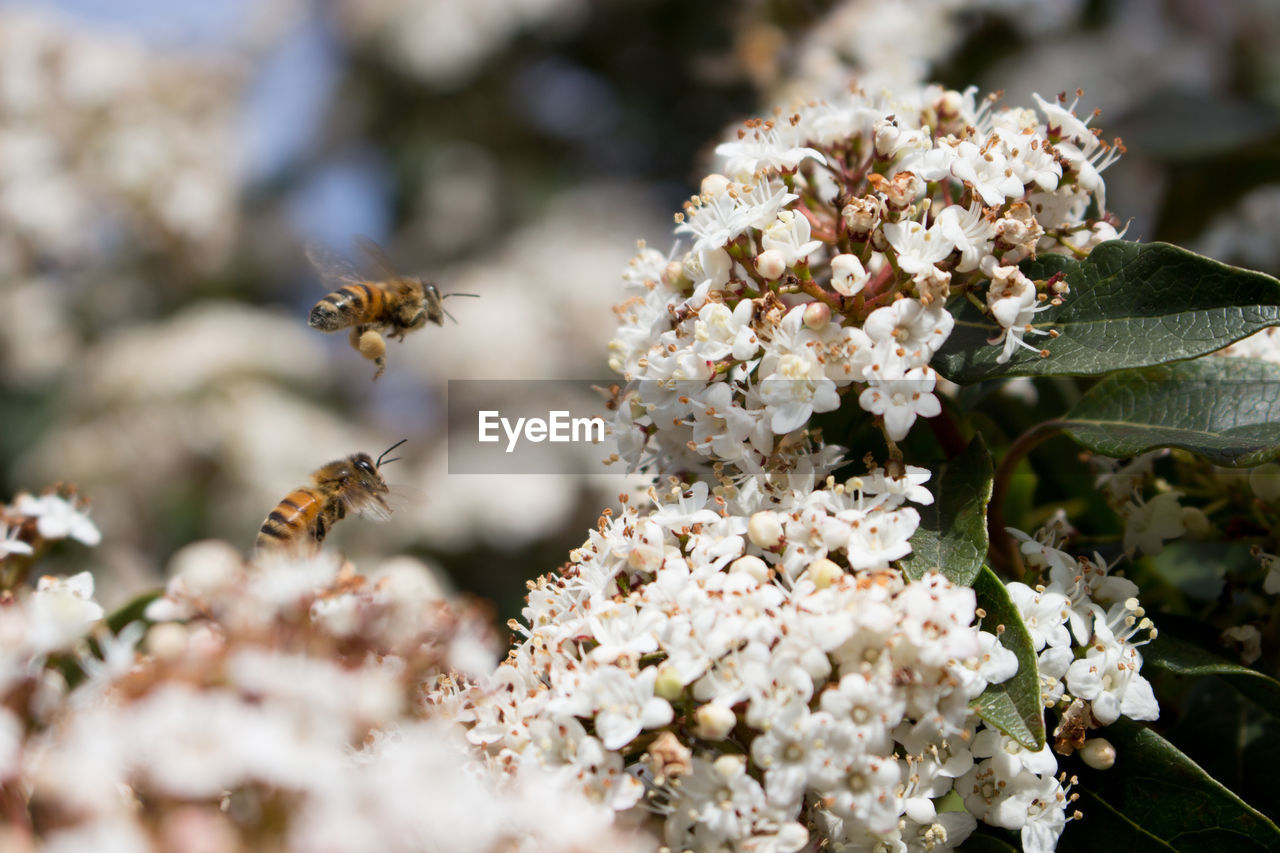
(371, 345)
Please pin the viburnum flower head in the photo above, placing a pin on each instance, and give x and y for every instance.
(843, 233)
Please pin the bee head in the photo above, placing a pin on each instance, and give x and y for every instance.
(365, 473)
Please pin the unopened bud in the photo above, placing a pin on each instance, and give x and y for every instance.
(764, 529)
(673, 275)
(167, 641)
(1196, 522)
(817, 315)
(752, 565)
(823, 572)
(714, 184)
(1098, 753)
(714, 721)
(771, 264)
(847, 275)
(667, 684)
(1265, 481)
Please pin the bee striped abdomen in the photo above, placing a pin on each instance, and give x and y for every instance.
(292, 524)
(350, 305)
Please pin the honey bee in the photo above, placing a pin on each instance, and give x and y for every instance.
(300, 522)
(371, 306)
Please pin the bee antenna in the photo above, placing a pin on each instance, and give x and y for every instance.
(382, 460)
(447, 295)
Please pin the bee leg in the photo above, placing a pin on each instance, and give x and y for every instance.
(373, 347)
(418, 319)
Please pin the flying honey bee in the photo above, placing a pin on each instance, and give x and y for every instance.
(300, 522)
(373, 305)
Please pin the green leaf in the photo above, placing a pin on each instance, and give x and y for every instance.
(1106, 828)
(132, 610)
(1012, 706)
(984, 840)
(1183, 658)
(1161, 792)
(1131, 305)
(1224, 409)
(952, 536)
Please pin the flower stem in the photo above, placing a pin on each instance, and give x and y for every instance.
(1002, 551)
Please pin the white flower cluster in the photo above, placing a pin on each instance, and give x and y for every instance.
(444, 43)
(270, 707)
(748, 662)
(31, 523)
(822, 260)
(99, 137)
(1086, 626)
(726, 672)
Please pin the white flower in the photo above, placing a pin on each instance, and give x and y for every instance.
(900, 400)
(970, 231)
(912, 332)
(916, 246)
(1149, 524)
(766, 145)
(1107, 676)
(988, 171)
(626, 705)
(1044, 613)
(1010, 757)
(10, 544)
(718, 800)
(61, 611)
(57, 518)
(796, 389)
(718, 218)
(719, 332)
(789, 234)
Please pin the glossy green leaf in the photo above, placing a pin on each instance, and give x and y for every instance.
(1012, 706)
(1159, 792)
(1131, 305)
(1225, 409)
(1183, 658)
(1106, 828)
(952, 536)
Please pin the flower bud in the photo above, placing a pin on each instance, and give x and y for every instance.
(714, 184)
(752, 565)
(728, 767)
(822, 572)
(1265, 481)
(673, 275)
(817, 315)
(714, 721)
(847, 275)
(771, 264)
(1098, 753)
(667, 685)
(764, 529)
(167, 641)
(1196, 522)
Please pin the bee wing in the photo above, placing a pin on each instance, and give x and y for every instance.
(333, 267)
(402, 497)
(369, 505)
(377, 258)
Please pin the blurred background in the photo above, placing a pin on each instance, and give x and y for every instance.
(162, 164)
